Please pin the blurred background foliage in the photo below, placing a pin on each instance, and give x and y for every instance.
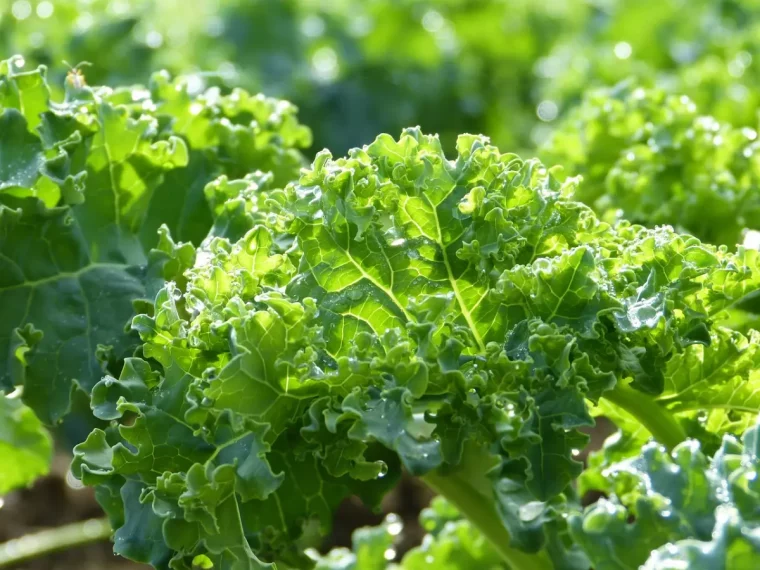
(507, 68)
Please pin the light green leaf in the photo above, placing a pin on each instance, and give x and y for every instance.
(25, 445)
(85, 185)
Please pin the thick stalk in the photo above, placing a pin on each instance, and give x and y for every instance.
(479, 510)
(660, 423)
(46, 542)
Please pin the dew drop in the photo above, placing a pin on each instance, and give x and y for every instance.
(73, 482)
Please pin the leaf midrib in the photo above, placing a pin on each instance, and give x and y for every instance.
(455, 287)
(66, 275)
(389, 292)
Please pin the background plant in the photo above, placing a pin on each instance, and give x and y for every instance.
(508, 69)
(85, 185)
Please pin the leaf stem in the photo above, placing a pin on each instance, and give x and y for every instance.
(479, 510)
(660, 423)
(52, 540)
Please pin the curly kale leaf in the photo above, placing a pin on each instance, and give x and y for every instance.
(84, 186)
(651, 158)
(677, 510)
(395, 308)
(665, 511)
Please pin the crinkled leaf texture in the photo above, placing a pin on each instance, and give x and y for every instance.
(650, 157)
(85, 185)
(665, 512)
(25, 445)
(678, 510)
(457, 318)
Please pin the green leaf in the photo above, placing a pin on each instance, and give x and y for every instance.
(718, 382)
(710, 389)
(371, 547)
(677, 510)
(732, 546)
(50, 278)
(26, 91)
(21, 154)
(135, 539)
(452, 543)
(651, 157)
(26, 446)
(460, 318)
(85, 185)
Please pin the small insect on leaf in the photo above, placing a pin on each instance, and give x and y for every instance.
(75, 78)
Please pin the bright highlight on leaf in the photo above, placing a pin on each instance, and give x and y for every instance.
(460, 318)
(25, 446)
(85, 185)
